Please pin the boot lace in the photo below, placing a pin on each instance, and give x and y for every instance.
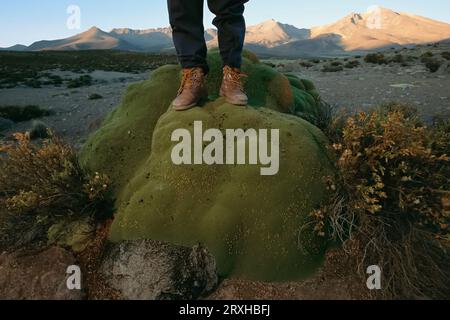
(235, 77)
(190, 79)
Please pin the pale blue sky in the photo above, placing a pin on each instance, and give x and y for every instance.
(25, 21)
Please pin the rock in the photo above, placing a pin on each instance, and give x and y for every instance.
(255, 226)
(402, 85)
(151, 270)
(5, 124)
(37, 277)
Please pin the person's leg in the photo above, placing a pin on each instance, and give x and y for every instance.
(186, 20)
(231, 27)
(230, 23)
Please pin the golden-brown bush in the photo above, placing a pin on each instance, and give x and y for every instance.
(388, 208)
(41, 185)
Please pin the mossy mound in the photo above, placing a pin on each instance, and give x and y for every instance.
(268, 88)
(256, 226)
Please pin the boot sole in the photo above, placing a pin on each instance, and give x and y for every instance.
(234, 102)
(192, 105)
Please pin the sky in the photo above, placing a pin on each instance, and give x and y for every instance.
(26, 21)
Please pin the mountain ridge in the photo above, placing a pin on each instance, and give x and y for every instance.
(380, 27)
(375, 29)
(94, 38)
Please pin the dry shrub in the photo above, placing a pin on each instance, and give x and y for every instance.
(398, 58)
(375, 58)
(432, 64)
(446, 55)
(352, 64)
(388, 208)
(20, 114)
(332, 68)
(441, 125)
(42, 184)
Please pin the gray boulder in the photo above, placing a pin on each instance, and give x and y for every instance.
(152, 270)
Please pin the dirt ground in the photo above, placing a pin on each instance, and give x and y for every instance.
(75, 115)
(334, 281)
(370, 85)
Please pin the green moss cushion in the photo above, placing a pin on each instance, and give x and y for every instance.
(256, 226)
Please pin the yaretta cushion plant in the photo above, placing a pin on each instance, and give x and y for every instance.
(256, 226)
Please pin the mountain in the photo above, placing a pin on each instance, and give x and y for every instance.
(145, 40)
(266, 35)
(271, 34)
(380, 27)
(94, 38)
(154, 40)
(323, 45)
(210, 34)
(17, 47)
(375, 29)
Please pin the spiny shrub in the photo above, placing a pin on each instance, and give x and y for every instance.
(398, 58)
(306, 64)
(352, 64)
(41, 185)
(388, 205)
(38, 130)
(33, 83)
(441, 127)
(269, 64)
(446, 55)
(82, 81)
(332, 68)
(323, 117)
(95, 96)
(375, 58)
(432, 64)
(427, 54)
(19, 113)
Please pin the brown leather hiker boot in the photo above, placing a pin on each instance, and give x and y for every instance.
(232, 87)
(192, 89)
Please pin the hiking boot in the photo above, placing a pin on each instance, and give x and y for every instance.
(192, 89)
(232, 87)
